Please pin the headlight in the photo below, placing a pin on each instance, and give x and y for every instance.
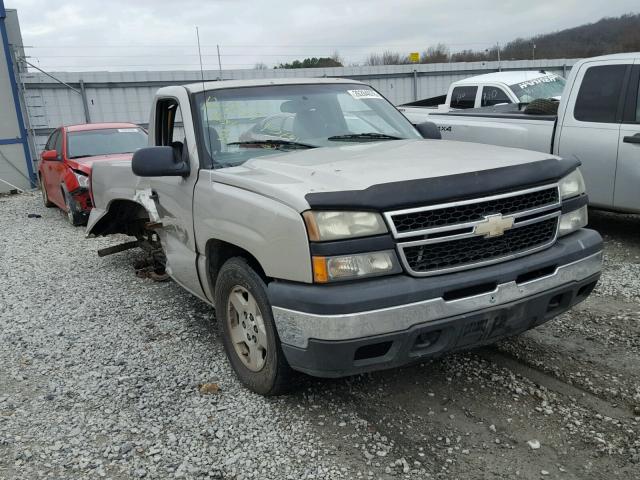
(349, 267)
(83, 180)
(572, 185)
(572, 221)
(322, 226)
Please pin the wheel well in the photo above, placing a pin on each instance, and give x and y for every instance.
(123, 216)
(219, 252)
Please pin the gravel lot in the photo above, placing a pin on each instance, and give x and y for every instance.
(100, 375)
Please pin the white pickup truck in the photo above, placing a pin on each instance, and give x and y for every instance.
(490, 89)
(333, 239)
(597, 123)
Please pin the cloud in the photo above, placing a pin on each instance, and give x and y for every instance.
(160, 34)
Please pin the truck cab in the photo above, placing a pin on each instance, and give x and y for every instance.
(599, 123)
(487, 90)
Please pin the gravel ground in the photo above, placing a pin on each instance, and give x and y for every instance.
(101, 376)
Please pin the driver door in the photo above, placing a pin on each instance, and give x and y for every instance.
(55, 171)
(174, 195)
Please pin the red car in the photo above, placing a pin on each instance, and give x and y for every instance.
(65, 167)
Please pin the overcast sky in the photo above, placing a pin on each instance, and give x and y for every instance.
(160, 34)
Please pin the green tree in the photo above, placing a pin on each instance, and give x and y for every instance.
(322, 62)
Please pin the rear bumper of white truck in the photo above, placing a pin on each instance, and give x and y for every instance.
(339, 330)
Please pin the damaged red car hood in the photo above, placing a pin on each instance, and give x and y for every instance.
(84, 164)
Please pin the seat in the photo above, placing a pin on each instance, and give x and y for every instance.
(310, 123)
(212, 142)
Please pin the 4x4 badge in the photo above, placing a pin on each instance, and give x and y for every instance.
(493, 225)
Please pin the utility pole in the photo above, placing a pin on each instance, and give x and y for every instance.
(533, 52)
(219, 62)
(498, 48)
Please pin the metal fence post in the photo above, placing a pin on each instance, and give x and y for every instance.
(85, 104)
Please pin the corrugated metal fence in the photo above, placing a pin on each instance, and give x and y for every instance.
(126, 96)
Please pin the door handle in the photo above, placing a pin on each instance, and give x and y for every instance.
(632, 138)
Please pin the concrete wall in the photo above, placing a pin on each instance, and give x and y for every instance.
(15, 164)
(126, 96)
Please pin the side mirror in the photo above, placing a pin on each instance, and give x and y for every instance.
(50, 155)
(159, 162)
(429, 130)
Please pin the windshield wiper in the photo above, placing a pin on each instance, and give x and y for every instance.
(365, 136)
(275, 143)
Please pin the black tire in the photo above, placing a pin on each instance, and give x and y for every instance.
(75, 216)
(45, 196)
(542, 106)
(275, 376)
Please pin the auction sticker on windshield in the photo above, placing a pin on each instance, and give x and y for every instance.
(536, 81)
(363, 94)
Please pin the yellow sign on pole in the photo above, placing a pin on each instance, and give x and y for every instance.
(414, 57)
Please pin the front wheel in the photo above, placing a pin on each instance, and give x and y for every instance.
(248, 330)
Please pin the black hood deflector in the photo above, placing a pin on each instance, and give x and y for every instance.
(450, 188)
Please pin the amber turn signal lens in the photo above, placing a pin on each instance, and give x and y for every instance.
(312, 226)
(320, 274)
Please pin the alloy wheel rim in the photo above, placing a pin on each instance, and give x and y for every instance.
(246, 326)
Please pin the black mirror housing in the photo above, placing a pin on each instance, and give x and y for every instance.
(429, 130)
(159, 162)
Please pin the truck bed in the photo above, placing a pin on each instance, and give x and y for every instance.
(500, 125)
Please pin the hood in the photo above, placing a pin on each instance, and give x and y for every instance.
(289, 177)
(86, 163)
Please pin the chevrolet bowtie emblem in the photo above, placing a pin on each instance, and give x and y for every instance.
(493, 225)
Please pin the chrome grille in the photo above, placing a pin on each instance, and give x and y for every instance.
(469, 212)
(467, 234)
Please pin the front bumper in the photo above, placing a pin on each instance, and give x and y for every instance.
(82, 199)
(408, 319)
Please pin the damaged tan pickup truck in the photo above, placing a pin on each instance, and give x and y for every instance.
(333, 239)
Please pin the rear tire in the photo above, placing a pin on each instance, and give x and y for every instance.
(74, 215)
(45, 196)
(248, 330)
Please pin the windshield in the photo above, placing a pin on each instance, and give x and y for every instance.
(90, 143)
(542, 87)
(244, 123)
